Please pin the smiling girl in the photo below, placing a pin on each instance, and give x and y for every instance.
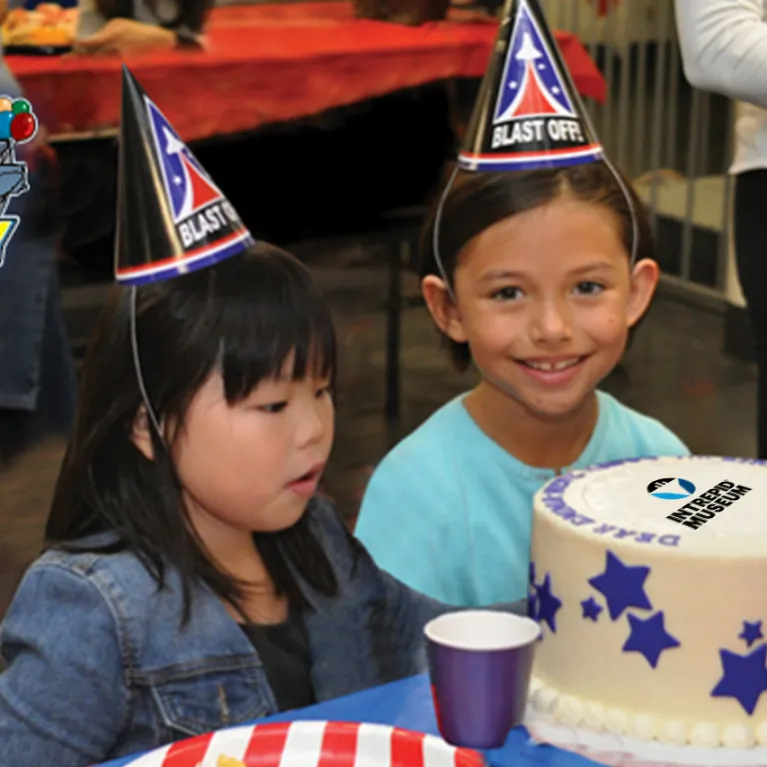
(537, 263)
(542, 296)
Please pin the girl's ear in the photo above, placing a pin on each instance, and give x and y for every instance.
(141, 435)
(644, 280)
(442, 308)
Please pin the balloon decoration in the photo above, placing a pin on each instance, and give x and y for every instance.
(21, 105)
(5, 125)
(17, 120)
(23, 127)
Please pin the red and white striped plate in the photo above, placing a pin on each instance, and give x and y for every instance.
(313, 744)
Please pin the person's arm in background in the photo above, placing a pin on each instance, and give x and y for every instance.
(89, 19)
(138, 35)
(724, 47)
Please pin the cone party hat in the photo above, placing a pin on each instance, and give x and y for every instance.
(172, 219)
(528, 113)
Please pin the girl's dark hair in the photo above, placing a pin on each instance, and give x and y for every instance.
(243, 316)
(476, 201)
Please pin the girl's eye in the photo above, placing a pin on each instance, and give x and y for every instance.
(589, 288)
(507, 294)
(275, 407)
(325, 391)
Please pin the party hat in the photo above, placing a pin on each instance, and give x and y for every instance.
(528, 113)
(172, 219)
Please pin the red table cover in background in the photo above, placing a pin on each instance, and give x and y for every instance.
(272, 63)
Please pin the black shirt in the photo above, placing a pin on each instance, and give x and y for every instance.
(285, 653)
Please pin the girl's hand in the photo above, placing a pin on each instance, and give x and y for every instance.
(126, 37)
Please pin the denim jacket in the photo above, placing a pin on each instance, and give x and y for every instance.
(99, 667)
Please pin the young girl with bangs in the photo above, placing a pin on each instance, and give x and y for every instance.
(194, 580)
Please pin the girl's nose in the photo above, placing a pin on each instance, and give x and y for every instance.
(551, 323)
(312, 426)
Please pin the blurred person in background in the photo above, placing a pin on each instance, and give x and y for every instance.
(724, 49)
(137, 27)
(37, 374)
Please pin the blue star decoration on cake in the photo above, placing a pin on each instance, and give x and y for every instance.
(547, 604)
(744, 677)
(591, 609)
(752, 632)
(622, 586)
(649, 637)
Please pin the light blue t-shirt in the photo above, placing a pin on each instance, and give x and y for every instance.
(449, 512)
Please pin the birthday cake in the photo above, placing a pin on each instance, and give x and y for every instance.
(649, 580)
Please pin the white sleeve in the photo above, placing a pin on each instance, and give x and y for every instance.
(724, 47)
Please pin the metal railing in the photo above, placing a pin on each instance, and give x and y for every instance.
(672, 140)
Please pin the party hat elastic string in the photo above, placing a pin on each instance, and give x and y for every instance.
(626, 194)
(435, 235)
(137, 362)
(529, 115)
(443, 198)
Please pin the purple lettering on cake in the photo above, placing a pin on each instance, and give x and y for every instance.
(644, 537)
(567, 513)
(554, 503)
(557, 505)
(669, 540)
(603, 529)
(624, 534)
(558, 485)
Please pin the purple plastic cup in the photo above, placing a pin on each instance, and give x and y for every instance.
(480, 663)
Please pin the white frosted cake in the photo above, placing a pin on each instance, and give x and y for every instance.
(649, 579)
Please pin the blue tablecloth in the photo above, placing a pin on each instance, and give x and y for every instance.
(408, 704)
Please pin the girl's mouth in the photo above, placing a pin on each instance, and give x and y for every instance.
(306, 484)
(556, 366)
(553, 372)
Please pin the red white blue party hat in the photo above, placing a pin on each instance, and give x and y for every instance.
(172, 219)
(528, 113)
